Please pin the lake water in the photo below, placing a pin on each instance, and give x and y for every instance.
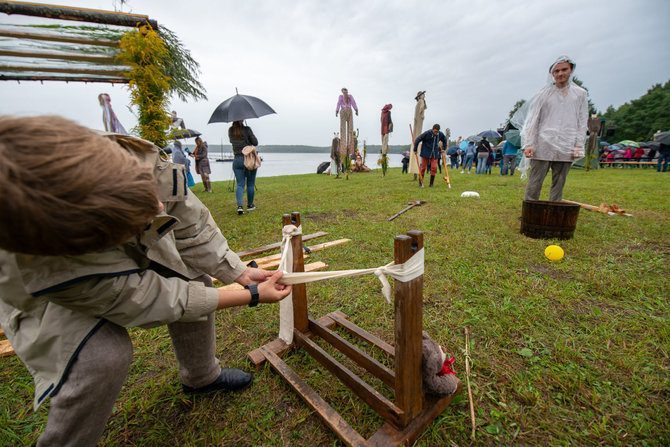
(278, 163)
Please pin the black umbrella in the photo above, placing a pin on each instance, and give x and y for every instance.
(650, 145)
(240, 107)
(322, 167)
(663, 137)
(178, 134)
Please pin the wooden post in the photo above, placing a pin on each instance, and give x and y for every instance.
(408, 327)
(300, 320)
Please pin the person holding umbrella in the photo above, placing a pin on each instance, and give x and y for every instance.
(202, 163)
(241, 136)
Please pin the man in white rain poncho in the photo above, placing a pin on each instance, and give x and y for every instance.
(554, 130)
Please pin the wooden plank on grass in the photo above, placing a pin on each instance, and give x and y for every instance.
(270, 261)
(276, 245)
(331, 417)
(6, 348)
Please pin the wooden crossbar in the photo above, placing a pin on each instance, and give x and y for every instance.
(384, 407)
(356, 331)
(362, 359)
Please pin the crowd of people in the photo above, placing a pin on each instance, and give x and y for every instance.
(635, 156)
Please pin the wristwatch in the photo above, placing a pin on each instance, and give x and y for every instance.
(253, 288)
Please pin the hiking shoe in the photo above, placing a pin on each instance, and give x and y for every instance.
(230, 379)
(252, 208)
(240, 210)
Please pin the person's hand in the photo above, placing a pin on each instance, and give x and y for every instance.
(253, 276)
(356, 112)
(336, 114)
(529, 152)
(270, 291)
(578, 153)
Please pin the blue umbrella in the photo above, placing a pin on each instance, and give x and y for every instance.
(474, 138)
(238, 108)
(452, 150)
(604, 143)
(463, 144)
(489, 134)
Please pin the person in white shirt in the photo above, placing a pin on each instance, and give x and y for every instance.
(554, 131)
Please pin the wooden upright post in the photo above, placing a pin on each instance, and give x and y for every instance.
(300, 320)
(408, 328)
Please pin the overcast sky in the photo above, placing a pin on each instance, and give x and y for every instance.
(474, 58)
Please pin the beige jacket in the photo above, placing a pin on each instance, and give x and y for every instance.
(50, 305)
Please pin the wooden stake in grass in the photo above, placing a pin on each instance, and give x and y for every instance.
(467, 378)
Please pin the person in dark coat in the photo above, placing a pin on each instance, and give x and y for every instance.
(434, 142)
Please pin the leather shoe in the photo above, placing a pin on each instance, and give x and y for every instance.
(230, 379)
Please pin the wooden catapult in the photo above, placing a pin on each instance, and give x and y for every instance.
(410, 413)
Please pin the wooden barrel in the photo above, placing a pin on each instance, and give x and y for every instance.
(548, 220)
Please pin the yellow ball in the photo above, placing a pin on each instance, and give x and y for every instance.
(553, 252)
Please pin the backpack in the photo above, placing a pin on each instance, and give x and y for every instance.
(251, 159)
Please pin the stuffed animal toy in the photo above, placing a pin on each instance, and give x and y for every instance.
(438, 377)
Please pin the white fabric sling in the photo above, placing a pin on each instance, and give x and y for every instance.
(405, 272)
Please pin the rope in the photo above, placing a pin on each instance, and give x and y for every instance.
(412, 268)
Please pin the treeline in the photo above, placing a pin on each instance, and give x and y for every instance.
(639, 119)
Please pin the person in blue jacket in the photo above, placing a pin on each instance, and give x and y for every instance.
(434, 142)
(509, 153)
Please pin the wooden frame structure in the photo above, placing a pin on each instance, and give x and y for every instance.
(87, 67)
(408, 415)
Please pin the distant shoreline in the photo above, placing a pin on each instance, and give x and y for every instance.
(278, 148)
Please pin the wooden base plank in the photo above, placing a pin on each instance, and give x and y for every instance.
(331, 417)
(388, 435)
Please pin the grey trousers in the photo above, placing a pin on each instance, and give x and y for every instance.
(79, 412)
(509, 164)
(538, 171)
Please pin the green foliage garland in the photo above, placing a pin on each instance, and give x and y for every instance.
(145, 52)
(384, 163)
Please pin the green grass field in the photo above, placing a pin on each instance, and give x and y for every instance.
(574, 352)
